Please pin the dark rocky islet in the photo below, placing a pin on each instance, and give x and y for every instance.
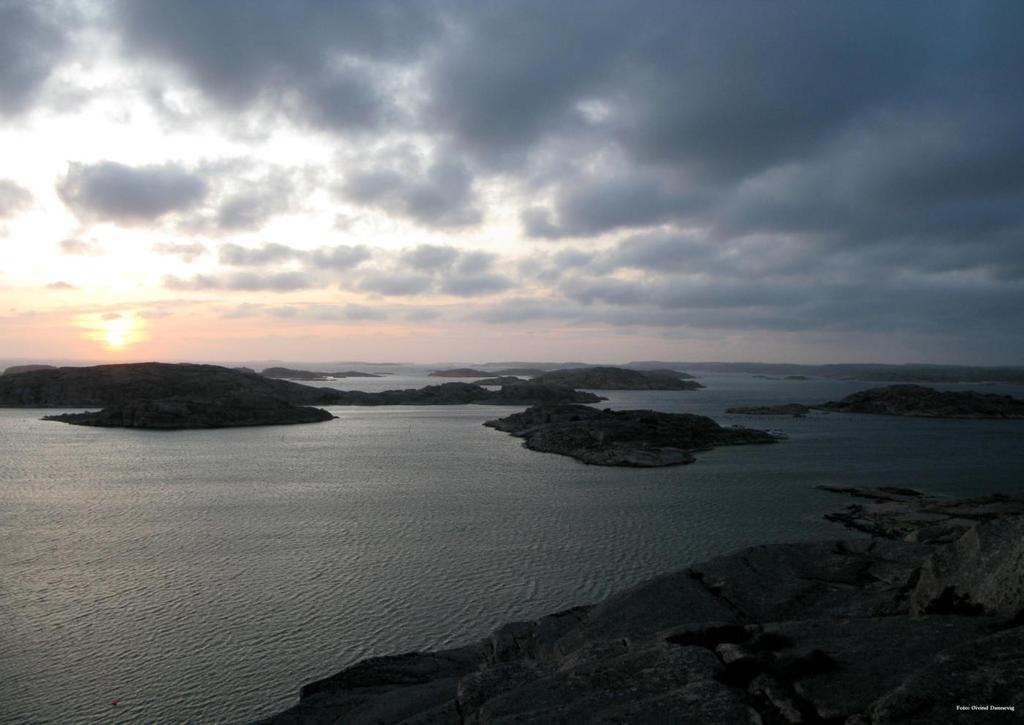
(639, 438)
(896, 630)
(171, 414)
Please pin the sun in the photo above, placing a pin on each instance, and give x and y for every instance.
(117, 332)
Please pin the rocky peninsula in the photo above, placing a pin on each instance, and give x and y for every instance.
(922, 402)
(912, 627)
(640, 438)
(313, 375)
(613, 378)
(163, 395)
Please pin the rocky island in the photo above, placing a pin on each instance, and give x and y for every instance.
(921, 402)
(313, 375)
(163, 395)
(612, 378)
(903, 629)
(641, 438)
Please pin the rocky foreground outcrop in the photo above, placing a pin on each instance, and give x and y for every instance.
(923, 402)
(916, 627)
(612, 378)
(641, 438)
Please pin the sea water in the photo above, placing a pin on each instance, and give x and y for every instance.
(203, 576)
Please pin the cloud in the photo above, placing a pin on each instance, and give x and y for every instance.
(269, 253)
(252, 202)
(81, 247)
(109, 191)
(338, 257)
(396, 284)
(436, 269)
(187, 251)
(429, 257)
(242, 282)
(61, 285)
(13, 198)
(32, 42)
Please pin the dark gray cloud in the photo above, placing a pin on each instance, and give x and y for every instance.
(32, 41)
(439, 194)
(109, 191)
(13, 198)
(317, 61)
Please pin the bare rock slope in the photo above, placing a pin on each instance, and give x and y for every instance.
(903, 628)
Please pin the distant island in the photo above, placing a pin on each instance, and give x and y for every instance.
(614, 378)
(15, 369)
(900, 629)
(794, 409)
(501, 380)
(459, 373)
(922, 402)
(639, 438)
(290, 374)
(164, 395)
(871, 372)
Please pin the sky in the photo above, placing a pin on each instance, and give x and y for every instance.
(413, 181)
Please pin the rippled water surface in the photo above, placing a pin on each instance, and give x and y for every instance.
(203, 576)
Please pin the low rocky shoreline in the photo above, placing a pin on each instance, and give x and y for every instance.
(903, 627)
